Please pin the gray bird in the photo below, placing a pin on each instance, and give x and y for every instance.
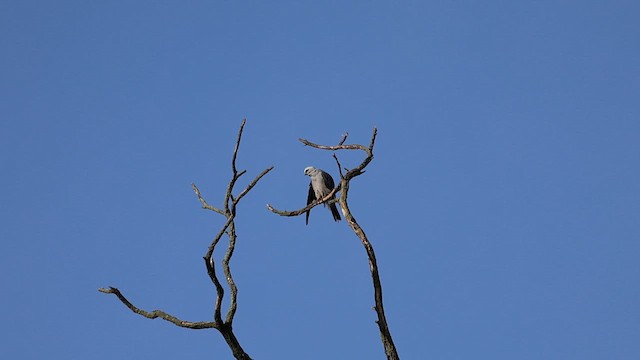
(320, 186)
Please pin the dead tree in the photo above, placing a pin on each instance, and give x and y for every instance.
(229, 212)
(343, 188)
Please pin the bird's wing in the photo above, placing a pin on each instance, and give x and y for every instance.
(311, 197)
(327, 181)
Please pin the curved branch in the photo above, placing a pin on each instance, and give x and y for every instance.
(158, 313)
(233, 303)
(368, 150)
(385, 333)
(211, 271)
(325, 200)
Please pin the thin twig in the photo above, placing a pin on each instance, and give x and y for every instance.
(235, 150)
(252, 184)
(344, 138)
(205, 205)
(339, 166)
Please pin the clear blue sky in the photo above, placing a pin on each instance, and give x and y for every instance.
(503, 201)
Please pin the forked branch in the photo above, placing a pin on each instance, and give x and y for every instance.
(229, 228)
(345, 179)
(228, 210)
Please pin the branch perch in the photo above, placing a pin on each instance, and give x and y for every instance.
(343, 187)
(325, 200)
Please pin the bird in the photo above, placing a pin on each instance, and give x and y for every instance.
(320, 186)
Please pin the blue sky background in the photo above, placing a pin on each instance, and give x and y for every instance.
(503, 201)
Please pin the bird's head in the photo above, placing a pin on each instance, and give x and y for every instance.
(310, 170)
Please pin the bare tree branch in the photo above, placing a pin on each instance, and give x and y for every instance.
(326, 200)
(229, 212)
(339, 166)
(205, 205)
(229, 228)
(158, 313)
(252, 184)
(344, 138)
(385, 334)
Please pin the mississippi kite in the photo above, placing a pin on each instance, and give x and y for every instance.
(320, 186)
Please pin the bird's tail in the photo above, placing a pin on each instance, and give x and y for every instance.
(335, 212)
